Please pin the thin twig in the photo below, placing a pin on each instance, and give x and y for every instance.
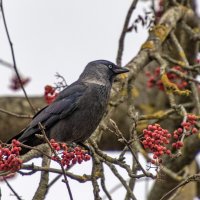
(184, 113)
(195, 177)
(124, 31)
(123, 140)
(175, 195)
(178, 62)
(59, 160)
(121, 155)
(13, 57)
(194, 35)
(123, 182)
(133, 137)
(184, 76)
(5, 63)
(82, 179)
(185, 60)
(61, 84)
(163, 114)
(103, 185)
(114, 160)
(10, 187)
(60, 175)
(54, 180)
(15, 114)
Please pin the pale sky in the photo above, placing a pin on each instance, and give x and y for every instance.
(63, 36)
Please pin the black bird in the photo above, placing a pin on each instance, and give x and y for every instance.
(78, 109)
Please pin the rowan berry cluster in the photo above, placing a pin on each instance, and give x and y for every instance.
(9, 157)
(50, 94)
(187, 127)
(154, 79)
(69, 155)
(156, 139)
(15, 83)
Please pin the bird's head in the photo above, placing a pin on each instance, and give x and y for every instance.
(101, 71)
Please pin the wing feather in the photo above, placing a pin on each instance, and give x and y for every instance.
(65, 104)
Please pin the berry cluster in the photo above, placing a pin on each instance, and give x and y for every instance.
(154, 79)
(15, 83)
(155, 139)
(9, 157)
(50, 94)
(188, 127)
(69, 156)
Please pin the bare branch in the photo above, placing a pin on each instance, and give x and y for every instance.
(44, 179)
(195, 177)
(15, 114)
(13, 57)
(124, 31)
(11, 188)
(59, 160)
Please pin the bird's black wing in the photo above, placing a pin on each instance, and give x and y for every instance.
(66, 102)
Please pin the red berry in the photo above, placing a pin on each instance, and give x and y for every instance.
(175, 136)
(191, 117)
(180, 144)
(153, 162)
(187, 128)
(150, 127)
(168, 135)
(194, 130)
(87, 157)
(74, 160)
(155, 156)
(168, 152)
(179, 130)
(174, 145)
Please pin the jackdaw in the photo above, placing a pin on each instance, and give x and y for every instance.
(78, 109)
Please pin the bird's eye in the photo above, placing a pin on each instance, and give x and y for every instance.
(110, 66)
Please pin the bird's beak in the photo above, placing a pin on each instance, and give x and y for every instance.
(120, 70)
